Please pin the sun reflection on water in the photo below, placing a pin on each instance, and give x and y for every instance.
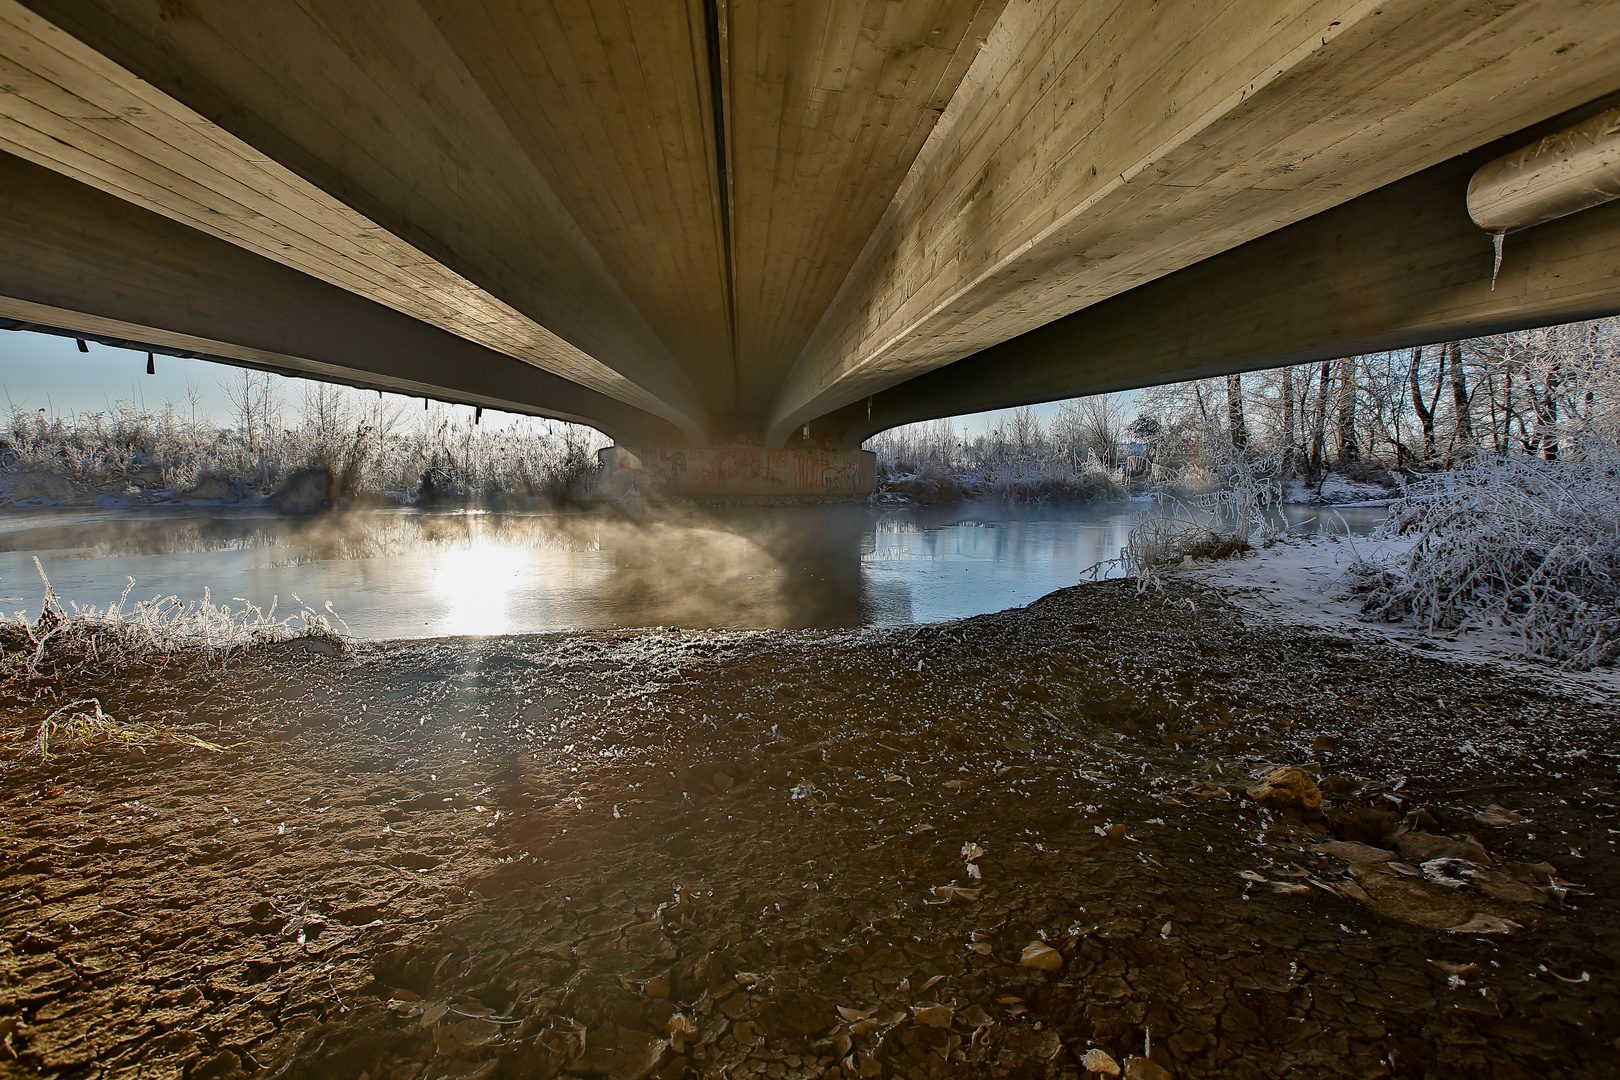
(476, 581)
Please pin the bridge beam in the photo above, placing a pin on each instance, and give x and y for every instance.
(1094, 148)
(75, 258)
(1398, 267)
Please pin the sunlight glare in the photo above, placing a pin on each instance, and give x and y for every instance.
(476, 581)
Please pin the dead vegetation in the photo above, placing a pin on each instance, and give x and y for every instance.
(82, 725)
(43, 658)
(1244, 509)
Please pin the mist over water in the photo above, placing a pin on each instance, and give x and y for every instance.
(414, 573)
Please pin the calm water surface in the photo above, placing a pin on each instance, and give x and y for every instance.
(414, 573)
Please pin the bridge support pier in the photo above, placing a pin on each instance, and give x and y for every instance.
(747, 471)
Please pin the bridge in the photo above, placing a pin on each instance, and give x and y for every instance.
(741, 237)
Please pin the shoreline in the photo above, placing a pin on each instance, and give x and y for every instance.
(1301, 581)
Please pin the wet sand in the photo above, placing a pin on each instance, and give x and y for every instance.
(981, 848)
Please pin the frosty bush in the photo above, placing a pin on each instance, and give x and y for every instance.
(1529, 544)
(365, 444)
(1022, 460)
(160, 628)
(1242, 507)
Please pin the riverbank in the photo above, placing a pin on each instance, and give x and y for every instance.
(823, 853)
(1308, 580)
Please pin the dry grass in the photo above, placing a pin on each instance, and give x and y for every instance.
(41, 659)
(83, 725)
(162, 627)
(1245, 507)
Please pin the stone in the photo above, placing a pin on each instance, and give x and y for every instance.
(1419, 903)
(1099, 1063)
(1498, 816)
(1422, 847)
(1041, 957)
(1351, 851)
(1141, 1068)
(1291, 792)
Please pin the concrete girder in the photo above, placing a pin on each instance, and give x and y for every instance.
(1094, 148)
(553, 180)
(1398, 267)
(740, 217)
(75, 258)
(351, 171)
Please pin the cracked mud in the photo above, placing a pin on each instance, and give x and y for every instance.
(1096, 834)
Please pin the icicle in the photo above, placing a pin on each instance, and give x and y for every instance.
(151, 365)
(1497, 239)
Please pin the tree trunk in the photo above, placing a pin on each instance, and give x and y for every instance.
(1287, 467)
(1462, 406)
(1238, 431)
(1425, 414)
(1319, 427)
(1547, 415)
(1349, 448)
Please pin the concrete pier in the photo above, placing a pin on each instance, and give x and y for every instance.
(746, 471)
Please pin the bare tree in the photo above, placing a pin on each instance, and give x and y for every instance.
(1236, 427)
(1426, 411)
(1287, 467)
(1318, 457)
(1462, 436)
(255, 400)
(1349, 448)
(1102, 418)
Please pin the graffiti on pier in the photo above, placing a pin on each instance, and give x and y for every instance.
(740, 470)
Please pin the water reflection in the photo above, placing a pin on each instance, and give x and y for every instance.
(409, 573)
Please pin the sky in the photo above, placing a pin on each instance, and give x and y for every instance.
(40, 371)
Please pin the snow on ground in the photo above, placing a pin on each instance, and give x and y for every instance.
(1305, 580)
(1336, 490)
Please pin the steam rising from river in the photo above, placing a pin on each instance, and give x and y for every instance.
(415, 573)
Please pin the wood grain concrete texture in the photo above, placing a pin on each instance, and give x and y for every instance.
(414, 142)
(1398, 267)
(75, 257)
(1104, 146)
(744, 217)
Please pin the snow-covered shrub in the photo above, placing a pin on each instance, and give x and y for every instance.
(366, 447)
(1524, 543)
(162, 627)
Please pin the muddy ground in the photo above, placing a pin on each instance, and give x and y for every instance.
(982, 848)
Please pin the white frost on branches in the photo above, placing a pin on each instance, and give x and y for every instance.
(1528, 544)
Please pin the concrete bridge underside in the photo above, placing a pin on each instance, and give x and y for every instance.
(785, 225)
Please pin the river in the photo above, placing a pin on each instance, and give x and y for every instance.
(406, 573)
